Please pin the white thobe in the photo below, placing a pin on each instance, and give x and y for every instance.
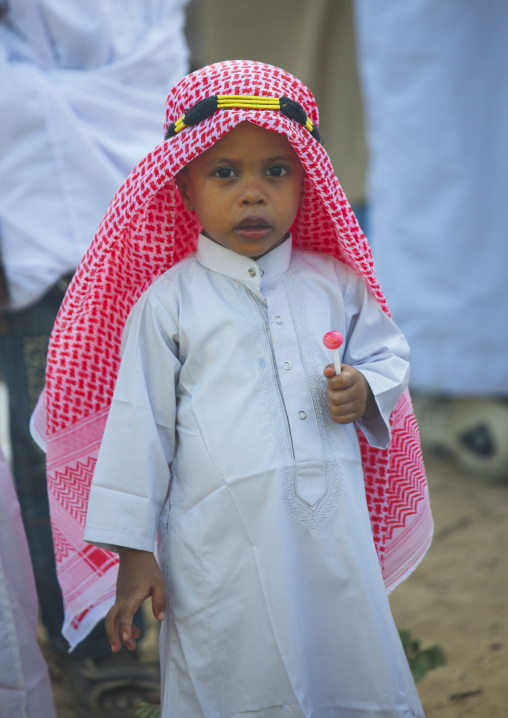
(435, 76)
(219, 431)
(82, 93)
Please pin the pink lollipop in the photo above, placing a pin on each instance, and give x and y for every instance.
(333, 340)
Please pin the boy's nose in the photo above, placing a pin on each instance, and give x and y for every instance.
(252, 194)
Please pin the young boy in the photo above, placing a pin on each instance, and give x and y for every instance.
(223, 431)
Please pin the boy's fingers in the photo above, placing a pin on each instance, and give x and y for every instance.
(332, 376)
(119, 625)
(113, 629)
(345, 418)
(159, 602)
(129, 632)
(343, 405)
(346, 414)
(329, 371)
(345, 379)
(130, 644)
(338, 382)
(340, 398)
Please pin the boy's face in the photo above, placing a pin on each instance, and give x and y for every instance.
(245, 190)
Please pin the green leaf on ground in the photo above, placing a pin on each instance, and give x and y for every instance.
(421, 660)
(148, 710)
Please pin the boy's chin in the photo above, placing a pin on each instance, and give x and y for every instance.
(253, 254)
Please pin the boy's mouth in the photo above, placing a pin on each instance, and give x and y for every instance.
(253, 228)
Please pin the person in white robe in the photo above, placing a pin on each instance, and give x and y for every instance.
(435, 83)
(25, 687)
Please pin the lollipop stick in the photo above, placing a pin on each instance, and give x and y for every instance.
(333, 340)
(337, 361)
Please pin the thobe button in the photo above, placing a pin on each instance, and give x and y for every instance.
(302, 415)
(262, 272)
(287, 365)
(251, 272)
(277, 319)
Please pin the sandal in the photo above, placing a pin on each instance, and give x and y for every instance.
(113, 687)
(470, 431)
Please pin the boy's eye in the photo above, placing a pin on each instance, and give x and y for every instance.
(277, 171)
(224, 172)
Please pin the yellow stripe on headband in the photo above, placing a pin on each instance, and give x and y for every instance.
(246, 101)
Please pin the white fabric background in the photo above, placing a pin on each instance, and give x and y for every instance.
(435, 77)
(82, 94)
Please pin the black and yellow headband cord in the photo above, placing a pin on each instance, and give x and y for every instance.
(207, 107)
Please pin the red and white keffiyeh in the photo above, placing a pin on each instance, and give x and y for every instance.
(144, 232)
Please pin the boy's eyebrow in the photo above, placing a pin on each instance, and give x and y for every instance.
(237, 160)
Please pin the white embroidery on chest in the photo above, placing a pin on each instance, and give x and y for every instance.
(310, 498)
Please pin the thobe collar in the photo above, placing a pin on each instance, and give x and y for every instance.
(249, 271)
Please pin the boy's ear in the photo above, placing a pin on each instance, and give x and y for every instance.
(301, 193)
(183, 188)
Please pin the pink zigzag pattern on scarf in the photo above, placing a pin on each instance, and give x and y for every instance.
(71, 488)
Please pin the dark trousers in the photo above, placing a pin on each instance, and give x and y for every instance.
(24, 340)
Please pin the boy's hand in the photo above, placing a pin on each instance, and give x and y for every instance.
(349, 395)
(139, 577)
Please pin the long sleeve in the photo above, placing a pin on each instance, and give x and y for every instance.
(132, 474)
(376, 347)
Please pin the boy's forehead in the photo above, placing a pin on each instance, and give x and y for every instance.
(248, 135)
(252, 128)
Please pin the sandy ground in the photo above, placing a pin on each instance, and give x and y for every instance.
(458, 597)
